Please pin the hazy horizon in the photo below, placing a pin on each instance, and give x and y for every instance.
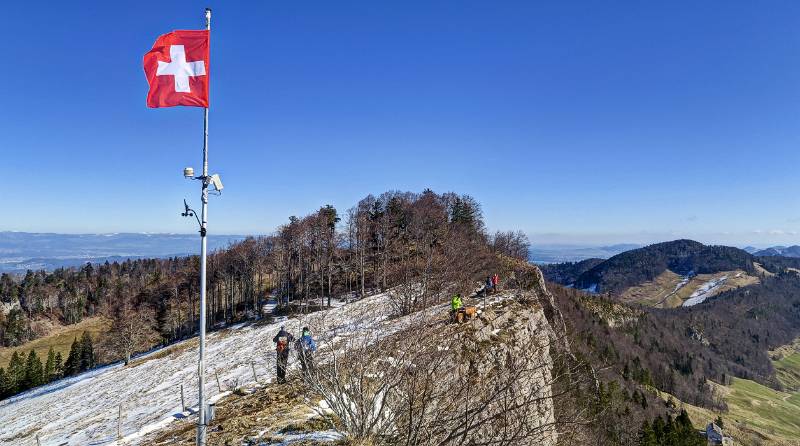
(581, 122)
(566, 240)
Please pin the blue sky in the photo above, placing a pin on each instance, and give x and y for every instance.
(574, 121)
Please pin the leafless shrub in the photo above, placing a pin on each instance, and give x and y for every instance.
(435, 384)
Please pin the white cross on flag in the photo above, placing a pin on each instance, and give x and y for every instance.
(177, 70)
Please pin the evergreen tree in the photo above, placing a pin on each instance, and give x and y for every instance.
(73, 364)
(658, 428)
(34, 373)
(58, 368)
(3, 384)
(49, 366)
(676, 431)
(647, 436)
(87, 352)
(16, 373)
(686, 435)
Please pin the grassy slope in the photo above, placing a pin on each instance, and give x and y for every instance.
(756, 414)
(662, 291)
(60, 339)
(788, 371)
(770, 411)
(759, 413)
(786, 361)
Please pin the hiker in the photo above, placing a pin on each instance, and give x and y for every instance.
(488, 286)
(305, 350)
(495, 282)
(455, 306)
(282, 340)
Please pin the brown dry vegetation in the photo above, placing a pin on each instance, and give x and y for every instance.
(661, 292)
(59, 338)
(250, 417)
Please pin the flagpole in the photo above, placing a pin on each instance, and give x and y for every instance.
(201, 366)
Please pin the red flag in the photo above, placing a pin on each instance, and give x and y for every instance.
(177, 70)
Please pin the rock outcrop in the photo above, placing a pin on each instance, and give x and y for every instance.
(486, 381)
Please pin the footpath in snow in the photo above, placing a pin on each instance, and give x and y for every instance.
(83, 410)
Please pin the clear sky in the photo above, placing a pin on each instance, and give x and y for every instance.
(574, 121)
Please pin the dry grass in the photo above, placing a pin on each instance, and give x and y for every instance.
(661, 292)
(786, 360)
(170, 351)
(60, 338)
(737, 424)
(250, 418)
(654, 291)
(760, 270)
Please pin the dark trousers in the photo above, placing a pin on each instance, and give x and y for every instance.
(306, 362)
(283, 360)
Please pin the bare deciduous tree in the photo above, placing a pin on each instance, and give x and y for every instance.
(131, 332)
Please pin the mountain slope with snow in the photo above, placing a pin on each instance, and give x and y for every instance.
(84, 409)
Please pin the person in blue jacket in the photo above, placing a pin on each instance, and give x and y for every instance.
(305, 351)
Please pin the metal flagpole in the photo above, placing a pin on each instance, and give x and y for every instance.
(201, 366)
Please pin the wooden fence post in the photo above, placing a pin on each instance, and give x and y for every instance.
(219, 386)
(253, 366)
(183, 400)
(119, 423)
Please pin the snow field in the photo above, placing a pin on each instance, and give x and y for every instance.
(83, 410)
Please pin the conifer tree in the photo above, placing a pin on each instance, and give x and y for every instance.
(87, 352)
(33, 371)
(58, 368)
(658, 427)
(3, 384)
(49, 366)
(647, 436)
(16, 373)
(73, 364)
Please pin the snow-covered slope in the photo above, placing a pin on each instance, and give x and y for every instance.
(83, 410)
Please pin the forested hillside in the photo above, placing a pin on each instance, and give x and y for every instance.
(679, 350)
(637, 266)
(395, 239)
(568, 272)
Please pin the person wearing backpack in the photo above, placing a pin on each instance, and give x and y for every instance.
(305, 350)
(282, 341)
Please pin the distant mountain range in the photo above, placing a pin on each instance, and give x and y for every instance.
(544, 254)
(21, 251)
(785, 251)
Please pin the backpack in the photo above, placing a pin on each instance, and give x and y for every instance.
(283, 343)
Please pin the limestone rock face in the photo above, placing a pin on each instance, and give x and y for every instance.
(486, 381)
(492, 377)
(509, 347)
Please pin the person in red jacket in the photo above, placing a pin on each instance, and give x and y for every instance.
(495, 282)
(282, 342)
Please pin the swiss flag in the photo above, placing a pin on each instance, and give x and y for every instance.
(177, 70)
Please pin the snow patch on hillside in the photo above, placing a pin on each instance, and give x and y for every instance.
(705, 291)
(83, 410)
